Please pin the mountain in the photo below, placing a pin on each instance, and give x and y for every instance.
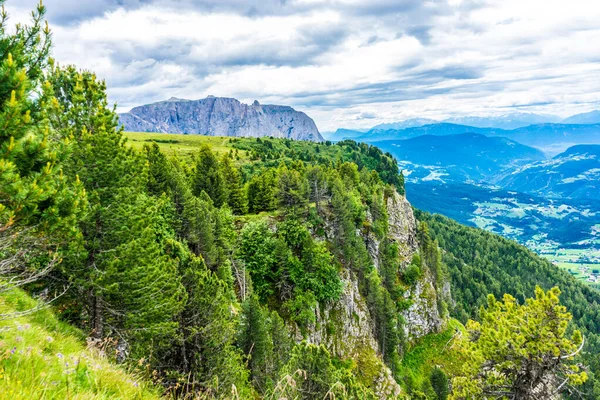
(574, 174)
(409, 123)
(221, 116)
(342, 134)
(554, 138)
(438, 129)
(592, 117)
(550, 138)
(459, 158)
(508, 121)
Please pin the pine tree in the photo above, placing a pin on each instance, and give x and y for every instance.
(126, 279)
(198, 228)
(261, 191)
(292, 190)
(208, 177)
(256, 342)
(519, 351)
(439, 383)
(236, 194)
(39, 205)
(282, 342)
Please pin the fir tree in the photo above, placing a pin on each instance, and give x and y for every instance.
(208, 177)
(256, 342)
(236, 194)
(39, 205)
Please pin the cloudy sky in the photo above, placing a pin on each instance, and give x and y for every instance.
(347, 63)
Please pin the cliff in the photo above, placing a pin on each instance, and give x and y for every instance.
(346, 327)
(220, 116)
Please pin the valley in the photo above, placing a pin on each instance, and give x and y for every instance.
(549, 204)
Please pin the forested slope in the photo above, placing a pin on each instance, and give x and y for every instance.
(481, 263)
(245, 268)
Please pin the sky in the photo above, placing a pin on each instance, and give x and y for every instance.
(346, 63)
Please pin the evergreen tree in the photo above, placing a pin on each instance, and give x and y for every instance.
(291, 189)
(439, 383)
(39, 205)
(198, 228)
(236, 194)
(519, 351)
(256, 342)
(282, 342)
(126, 278)
(208, 177)
(261, 192)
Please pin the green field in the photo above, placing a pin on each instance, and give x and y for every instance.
(182, 145)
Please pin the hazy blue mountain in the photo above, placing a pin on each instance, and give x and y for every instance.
(409, 123)
(458, 158)
(574, 174)
(221, 116)
(508, 121)
(439, 129)
(592, 117)
(342, 134)
(554, 138)
(550, 138)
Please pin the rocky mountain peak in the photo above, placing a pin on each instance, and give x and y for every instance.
(221, 116)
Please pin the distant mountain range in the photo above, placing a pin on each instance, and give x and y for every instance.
(220, 116)
(574, 174)
(544, 131)
(592, 117)
(458, 158)
(550, 138)
(509, 121)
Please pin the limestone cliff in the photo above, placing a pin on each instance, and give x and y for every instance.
(423, 315)
(346, 327)
(220, 116)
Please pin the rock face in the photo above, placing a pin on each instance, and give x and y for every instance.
(423, 316)
(345, 328)
(220, 116)
(402, 225)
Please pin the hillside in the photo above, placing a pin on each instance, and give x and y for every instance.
(499, 266)
(458, 158)
(573, 174)
(235, 267)
(219, 116)
(42, 357)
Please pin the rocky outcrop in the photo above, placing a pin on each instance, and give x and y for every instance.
(345, 328)
(402, 225)
(220, 116)
(423, 316)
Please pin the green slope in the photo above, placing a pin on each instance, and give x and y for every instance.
(43, 358)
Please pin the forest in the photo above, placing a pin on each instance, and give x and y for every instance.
(224, 273)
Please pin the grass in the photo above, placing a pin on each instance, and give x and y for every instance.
(43, 358)
(431, 351)
(181, 145)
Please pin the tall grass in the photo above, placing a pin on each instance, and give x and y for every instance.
(43, 358)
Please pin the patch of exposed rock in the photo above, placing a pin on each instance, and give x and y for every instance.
(220, 116)
(402, 225)
(422, 317)
(344, 327)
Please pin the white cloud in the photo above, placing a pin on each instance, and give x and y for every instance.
(348, 63)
